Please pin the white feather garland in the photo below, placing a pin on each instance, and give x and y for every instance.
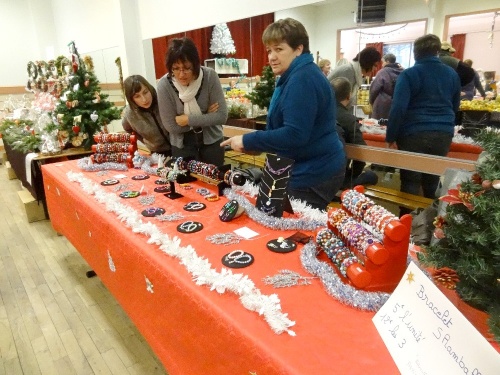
(199, 267)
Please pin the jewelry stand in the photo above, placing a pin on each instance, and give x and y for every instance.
(221, 185)
(173, 194)
(273, 197)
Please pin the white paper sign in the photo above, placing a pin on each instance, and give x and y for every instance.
(245, 232)
(426, 334)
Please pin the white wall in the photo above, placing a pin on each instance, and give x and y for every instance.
(99, 24)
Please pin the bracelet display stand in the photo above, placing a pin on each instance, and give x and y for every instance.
(376, 237)
(114, 148)
(273, 198)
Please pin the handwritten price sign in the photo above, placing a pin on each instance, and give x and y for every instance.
(426, 334)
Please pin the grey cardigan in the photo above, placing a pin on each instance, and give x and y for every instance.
(147, 129)
(171, 106)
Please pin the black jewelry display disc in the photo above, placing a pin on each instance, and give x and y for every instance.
(237, 259)
(194, 206)
(110, 181)
(281, 246)
(162, 189)
(130, 194)
(189, 227)
(153, 211)
(140, 177)
(229, 211)
(161, 182)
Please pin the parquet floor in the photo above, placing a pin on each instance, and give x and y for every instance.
(53, 319)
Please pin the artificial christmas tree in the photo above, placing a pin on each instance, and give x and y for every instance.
(469, 234)
(222, 43)
(263, 91)
(83, 109)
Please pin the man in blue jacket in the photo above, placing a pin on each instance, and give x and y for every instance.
(422, 116)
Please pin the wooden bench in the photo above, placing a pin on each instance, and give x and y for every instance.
(406, 200)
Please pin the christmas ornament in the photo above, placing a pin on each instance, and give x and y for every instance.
(94, 116)
(76, 87)
(76, 129)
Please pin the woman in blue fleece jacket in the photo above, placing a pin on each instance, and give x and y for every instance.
(301, 118)
(422, 116)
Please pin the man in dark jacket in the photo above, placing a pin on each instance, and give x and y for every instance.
(466, 73)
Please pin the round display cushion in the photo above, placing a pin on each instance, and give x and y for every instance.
(130, 194)
(110, 181)
(237, 259)
(153, 211)
(161, 182)
(281, 245)
(189, 227)
(162, 189)
(140, 177)
(194, 206)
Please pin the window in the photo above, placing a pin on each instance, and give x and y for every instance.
(403, 53)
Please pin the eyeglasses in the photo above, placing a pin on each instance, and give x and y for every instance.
(182, 70)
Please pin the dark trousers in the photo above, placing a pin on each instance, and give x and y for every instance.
(321, 195)
(194, 148)
(432, 143)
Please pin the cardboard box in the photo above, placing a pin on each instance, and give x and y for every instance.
(34, 210)
(11, 175)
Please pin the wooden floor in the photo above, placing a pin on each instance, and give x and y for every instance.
(53, 319)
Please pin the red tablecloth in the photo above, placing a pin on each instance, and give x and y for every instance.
(457, 150)
(197, 331)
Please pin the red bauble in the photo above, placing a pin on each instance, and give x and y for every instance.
(76, 129)
(68, 104)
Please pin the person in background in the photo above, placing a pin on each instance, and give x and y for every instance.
(465, 73)
(349, 129)
(142, 116)
(192, 105)
(301, 118)
(361, 65)
(469, 90)
(325, 66)
(382, 87)
(422, 117)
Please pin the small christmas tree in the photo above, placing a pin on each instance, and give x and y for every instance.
(83, 110)
(222, 43)
(470, 234)
(263, 90)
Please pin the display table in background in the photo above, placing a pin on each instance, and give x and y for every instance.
(457, 150)
(192, 329)
(34, 182)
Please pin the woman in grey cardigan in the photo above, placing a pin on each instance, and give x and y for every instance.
(192, 105)
(142, 116)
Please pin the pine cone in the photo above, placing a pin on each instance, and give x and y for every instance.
(446, 277)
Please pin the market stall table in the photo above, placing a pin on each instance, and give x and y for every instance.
(193, 329)
(457, 150)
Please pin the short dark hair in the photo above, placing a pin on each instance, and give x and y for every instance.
(390, 58)
(288, 30)
(183, 49)
(368, 58)
(426, 46)
(342, 88)
(132, 85)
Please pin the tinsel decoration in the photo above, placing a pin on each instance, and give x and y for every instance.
(200, 269)
(344, 293)
(87, 165)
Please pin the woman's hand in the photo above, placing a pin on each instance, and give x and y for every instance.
(213, 108)
(182, 120)
(236, 143)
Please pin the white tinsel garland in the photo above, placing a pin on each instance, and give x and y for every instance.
(199, 267)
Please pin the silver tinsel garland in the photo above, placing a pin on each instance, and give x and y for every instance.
(87, 165)
(347, 294)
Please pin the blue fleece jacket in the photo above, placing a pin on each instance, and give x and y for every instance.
(426, 98)
(301, 125)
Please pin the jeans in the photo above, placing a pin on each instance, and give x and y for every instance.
(432, 143)
(321, 195)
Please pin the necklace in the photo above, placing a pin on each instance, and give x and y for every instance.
(279, 171)
(272, 188)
